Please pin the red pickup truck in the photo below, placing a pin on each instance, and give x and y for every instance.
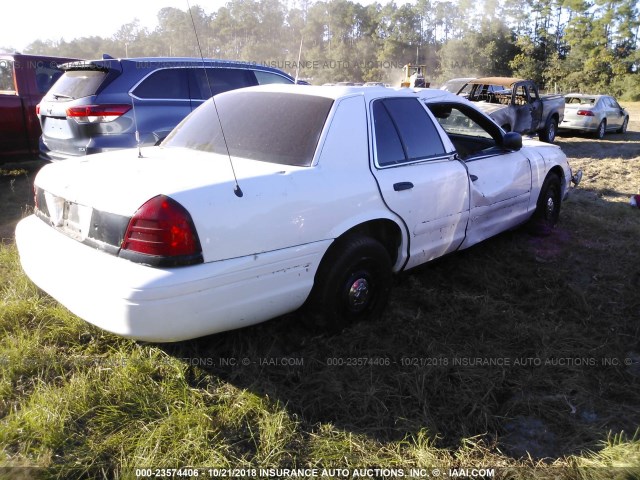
(24, 79)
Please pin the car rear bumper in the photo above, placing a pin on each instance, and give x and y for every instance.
(586, 124)
(165, 304)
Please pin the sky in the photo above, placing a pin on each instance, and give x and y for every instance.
(71, 19)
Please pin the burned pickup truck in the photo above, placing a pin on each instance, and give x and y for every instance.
(516, 105)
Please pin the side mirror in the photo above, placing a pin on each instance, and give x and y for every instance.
(512, 141)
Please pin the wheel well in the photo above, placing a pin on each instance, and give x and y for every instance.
(387, 232)
(557, 170)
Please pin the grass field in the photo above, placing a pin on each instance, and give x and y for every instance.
(520, 355)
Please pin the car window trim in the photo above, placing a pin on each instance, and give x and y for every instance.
(432, 158)
(185, 67)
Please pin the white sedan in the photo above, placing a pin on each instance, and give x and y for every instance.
(597, 114)
(278, 196)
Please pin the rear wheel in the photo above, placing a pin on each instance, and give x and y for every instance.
(623, 128)
(602, 128)
(352, 283)
(548, 133)
(548, 207)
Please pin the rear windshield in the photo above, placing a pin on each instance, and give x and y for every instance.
(579, 100)
(78, 84)
(271, 127)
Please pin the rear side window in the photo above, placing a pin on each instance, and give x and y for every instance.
(168, 83)
(271, 127)
(219, 80)
(78, 83)
(6, 76)
(404, 132)
(269, 77)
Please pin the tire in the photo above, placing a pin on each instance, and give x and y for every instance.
(548, 133)
(602, 129)
(623, 128)
(352, 283)
(547, 211)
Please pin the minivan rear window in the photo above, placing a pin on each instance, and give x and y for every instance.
(77, 84)
(267, 126)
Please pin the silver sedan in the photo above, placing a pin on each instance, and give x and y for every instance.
(597, 114)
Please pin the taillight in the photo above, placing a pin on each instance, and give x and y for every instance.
(163, 228)
(38, 109)
(585, 113)
(97, 113)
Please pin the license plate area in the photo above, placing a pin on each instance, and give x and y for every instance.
(76, 220)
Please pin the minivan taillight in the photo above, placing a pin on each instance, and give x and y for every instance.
(97, 113)
(162, 228)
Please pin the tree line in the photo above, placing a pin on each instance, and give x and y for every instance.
(590, 46)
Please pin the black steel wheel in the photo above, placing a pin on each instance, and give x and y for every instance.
(352, 283)
(547, 210)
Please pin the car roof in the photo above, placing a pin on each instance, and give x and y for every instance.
(584, 95)
(369, 93)
(501, 81)
(169, 62)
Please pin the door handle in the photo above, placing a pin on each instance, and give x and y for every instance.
(473, 178)
(402, 186)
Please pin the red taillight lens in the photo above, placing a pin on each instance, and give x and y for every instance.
(97, 113)
(38, 109)
(162, 227)
(585, 113)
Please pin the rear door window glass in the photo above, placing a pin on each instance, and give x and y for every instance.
(168, 83)
(417, 134)
(388, 144)
(78, 84)
(218, 80)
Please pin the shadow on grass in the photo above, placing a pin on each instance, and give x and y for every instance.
(529, 343)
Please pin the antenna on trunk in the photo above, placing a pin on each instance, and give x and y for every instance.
(237, 190)
(135, 121)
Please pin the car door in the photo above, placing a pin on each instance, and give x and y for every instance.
(535, 104)
(499, 179)
(615, 115)
(418, 179)
(527, 110)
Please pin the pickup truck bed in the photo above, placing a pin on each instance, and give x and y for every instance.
(24, 79)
